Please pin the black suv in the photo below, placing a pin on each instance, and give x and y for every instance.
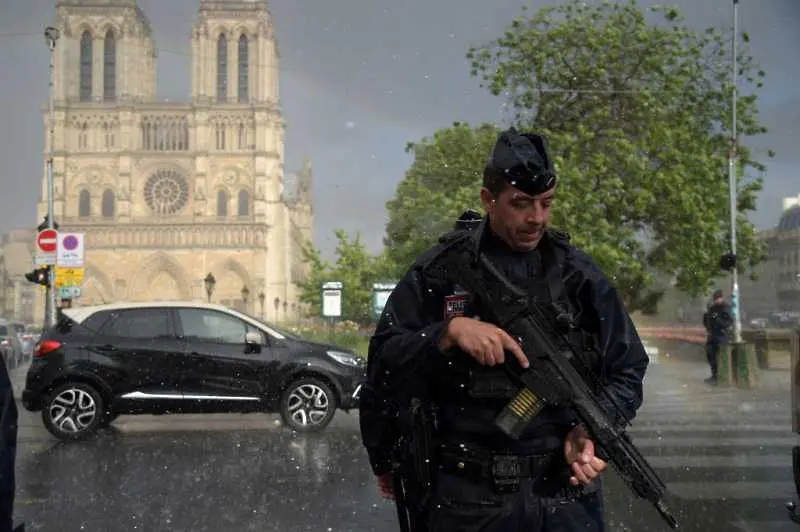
(163, 358)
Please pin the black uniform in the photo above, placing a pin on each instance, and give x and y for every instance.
(405, 362)
(8, 449)
(717, 321)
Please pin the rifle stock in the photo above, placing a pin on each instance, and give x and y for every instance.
(552, 377)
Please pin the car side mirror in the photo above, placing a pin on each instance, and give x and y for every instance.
(253, 342)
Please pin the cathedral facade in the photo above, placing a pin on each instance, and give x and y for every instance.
(168, 192)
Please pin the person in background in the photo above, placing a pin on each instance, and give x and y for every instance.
(717, 321)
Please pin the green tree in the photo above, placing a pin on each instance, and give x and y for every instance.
(355, 268)
(638, 117)
(442, 182)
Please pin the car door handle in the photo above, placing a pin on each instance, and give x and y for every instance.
(106, 347)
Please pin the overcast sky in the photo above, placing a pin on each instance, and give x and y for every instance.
(359, 79)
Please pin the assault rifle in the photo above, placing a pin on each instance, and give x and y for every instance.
(553, 376)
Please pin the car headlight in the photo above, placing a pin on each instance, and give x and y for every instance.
(348, 359)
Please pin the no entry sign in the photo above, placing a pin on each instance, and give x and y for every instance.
(47, 241)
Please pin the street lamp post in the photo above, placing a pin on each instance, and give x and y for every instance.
(210, 282)
(261, 297)
(732, 156)
(51, 35)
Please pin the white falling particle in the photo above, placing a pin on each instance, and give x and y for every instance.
(349, 124)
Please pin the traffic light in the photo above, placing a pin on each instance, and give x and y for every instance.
(46, 224)
(728, 262)
(39, 276)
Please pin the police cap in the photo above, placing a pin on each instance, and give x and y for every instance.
(522, 160)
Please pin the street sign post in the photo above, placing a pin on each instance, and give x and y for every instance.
(332, 299)
(380, 294)
(66, 277)
(70, 252)
(46, 246)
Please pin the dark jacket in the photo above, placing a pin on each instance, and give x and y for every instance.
(718, 320)
(8, 449)
(404, 360)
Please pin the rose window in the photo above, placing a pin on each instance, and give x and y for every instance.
(166, 192)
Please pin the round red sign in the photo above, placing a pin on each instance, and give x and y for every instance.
(47, 240)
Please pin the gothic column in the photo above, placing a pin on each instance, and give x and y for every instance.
(233, 61)
(261, 71)
(97, 67)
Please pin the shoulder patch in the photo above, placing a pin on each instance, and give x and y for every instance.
(455, 305)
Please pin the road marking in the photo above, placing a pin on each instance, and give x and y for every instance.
(731, 490)
(728, 462)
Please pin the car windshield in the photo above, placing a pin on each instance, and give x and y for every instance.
(279, 330)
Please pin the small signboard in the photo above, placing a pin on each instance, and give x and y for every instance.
(380, 295)
(70, 250)
(46, 245)
(69, 276)
(332, 299)
(69, 292)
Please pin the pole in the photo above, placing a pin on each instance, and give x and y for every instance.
(51, 34)
(732, 156)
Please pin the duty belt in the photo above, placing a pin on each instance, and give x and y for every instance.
(503, 469)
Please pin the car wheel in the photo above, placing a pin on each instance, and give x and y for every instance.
(73, 411)
(308, 405)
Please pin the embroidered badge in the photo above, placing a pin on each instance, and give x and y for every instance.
(455, 305)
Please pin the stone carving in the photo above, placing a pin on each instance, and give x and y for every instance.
(229, 177)
(171, 237)
(166, 192)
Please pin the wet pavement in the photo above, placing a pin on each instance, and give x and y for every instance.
(724, 454)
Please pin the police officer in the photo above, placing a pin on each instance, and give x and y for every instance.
(8, 449)
(717, 321)
(430, 342)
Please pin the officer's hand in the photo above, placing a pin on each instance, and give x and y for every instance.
(485, 342)
(386, 486)
(579, 452)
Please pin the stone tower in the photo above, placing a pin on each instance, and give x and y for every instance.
(168, 191)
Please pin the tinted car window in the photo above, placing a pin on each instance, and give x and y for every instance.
(3, 330)
(96, 321)
(139, 323)
(211, 326)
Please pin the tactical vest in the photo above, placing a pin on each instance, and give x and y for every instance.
(462, 385)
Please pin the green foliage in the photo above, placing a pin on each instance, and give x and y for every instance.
(355, 268)
(638, 118)
(357, 341)
(442, 182)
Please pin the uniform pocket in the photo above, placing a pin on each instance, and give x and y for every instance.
(453, 490)
(463, 505)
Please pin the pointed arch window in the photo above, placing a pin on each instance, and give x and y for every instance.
(83, 136)
(108, 203)
(110, 67)
(243, 69)
(84, 204)
(242, 137)
(222, 203)
(244, 203)
(220, 131)
(86, 67)
(222, 68)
